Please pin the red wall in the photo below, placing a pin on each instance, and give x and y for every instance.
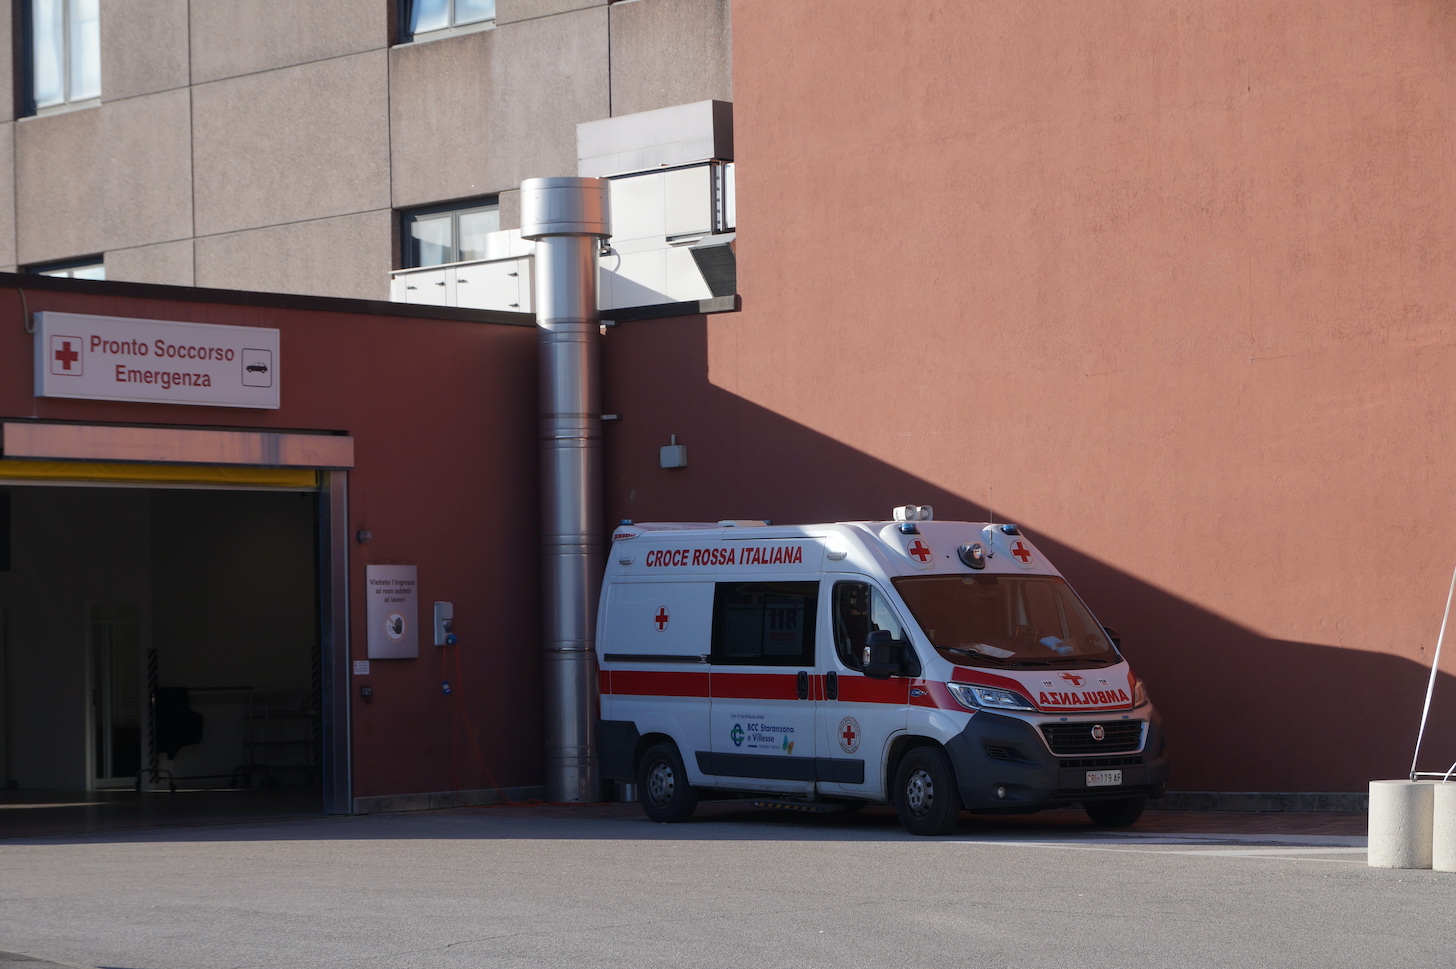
(442, 412)
(1168, 284)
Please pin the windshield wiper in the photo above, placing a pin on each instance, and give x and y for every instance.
(1065, 662)
(971, 653)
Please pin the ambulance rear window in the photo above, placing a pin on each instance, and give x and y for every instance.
(1006, 621)
(764, 623)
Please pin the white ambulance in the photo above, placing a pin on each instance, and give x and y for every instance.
(935, 666)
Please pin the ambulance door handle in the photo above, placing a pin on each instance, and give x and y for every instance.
(803, 685)
(831, 685)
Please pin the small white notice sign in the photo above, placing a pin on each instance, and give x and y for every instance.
(361, 667)
(393, 611)
(161, 361)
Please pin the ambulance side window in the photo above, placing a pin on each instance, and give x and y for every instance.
(860, 609)
(764, 623)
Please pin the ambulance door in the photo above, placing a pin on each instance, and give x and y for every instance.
(654, 672)
(762, 720)
(859, 717)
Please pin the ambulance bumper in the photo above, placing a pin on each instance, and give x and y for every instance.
(998, 752)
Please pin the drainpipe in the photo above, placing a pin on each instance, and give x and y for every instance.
(567, 218)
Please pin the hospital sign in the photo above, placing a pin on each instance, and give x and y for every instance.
(161, 361)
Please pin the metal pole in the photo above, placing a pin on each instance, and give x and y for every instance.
(567, 218)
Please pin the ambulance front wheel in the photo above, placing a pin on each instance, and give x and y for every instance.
(926, 798)
(663, 785)
(1114, 814)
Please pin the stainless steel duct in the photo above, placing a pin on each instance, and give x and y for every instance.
(567, 218)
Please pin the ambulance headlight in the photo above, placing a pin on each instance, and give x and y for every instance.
(1139, 693)
(974, 697)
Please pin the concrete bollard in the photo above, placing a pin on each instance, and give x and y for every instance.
(1401, 815)
(1443, 831)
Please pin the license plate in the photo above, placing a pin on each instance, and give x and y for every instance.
(1104, 778)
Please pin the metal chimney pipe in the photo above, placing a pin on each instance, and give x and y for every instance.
(567, 218)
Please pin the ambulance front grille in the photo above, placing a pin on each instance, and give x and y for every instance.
(1072, 739)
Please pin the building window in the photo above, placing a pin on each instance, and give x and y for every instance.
(429, 15)
(91, 268)
(435, 236)
(65, 51)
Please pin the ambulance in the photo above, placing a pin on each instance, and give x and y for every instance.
(936, 666)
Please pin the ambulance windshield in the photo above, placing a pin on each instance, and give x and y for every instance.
(1006, 621)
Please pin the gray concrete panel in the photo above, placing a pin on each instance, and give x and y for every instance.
(290, 145)
(143, 47)
(476, 113)
(548, 76)
(58, 200)
(348, 256)
(440, 108)
(7, 65)
(7, 193)
(103, 178)
(667, 52)
(510, 209)
(511, 11)
(235, 37)
(167, 264)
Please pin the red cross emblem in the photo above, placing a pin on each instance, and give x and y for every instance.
(849, 734)
(661, 618)
(1072, 678)
(65, 357)
(920, 550)
(1021, 552)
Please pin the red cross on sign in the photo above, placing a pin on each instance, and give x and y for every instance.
(661, 618)
(920, 550)
(1021, 551)
(64, 353)
(849, 735)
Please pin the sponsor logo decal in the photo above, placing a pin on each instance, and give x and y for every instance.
(736, 735)
(849, 735)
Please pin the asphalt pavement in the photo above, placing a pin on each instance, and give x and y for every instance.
(735, 887)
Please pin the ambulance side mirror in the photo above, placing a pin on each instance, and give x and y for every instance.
(1113, 635)
(881, 655)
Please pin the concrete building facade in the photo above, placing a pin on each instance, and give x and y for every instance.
(268, 145)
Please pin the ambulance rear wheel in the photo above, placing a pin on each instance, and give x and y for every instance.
(663, 786)
(1114, 814)
(926, 798)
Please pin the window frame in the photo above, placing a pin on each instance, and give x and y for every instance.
(408, 217)
(25, 41)
(66, 268)
(851, 654)
(810, 592)
(409, 35)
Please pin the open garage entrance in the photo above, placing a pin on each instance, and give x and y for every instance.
(163, 651)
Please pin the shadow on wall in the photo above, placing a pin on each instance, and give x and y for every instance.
(1244, 712)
